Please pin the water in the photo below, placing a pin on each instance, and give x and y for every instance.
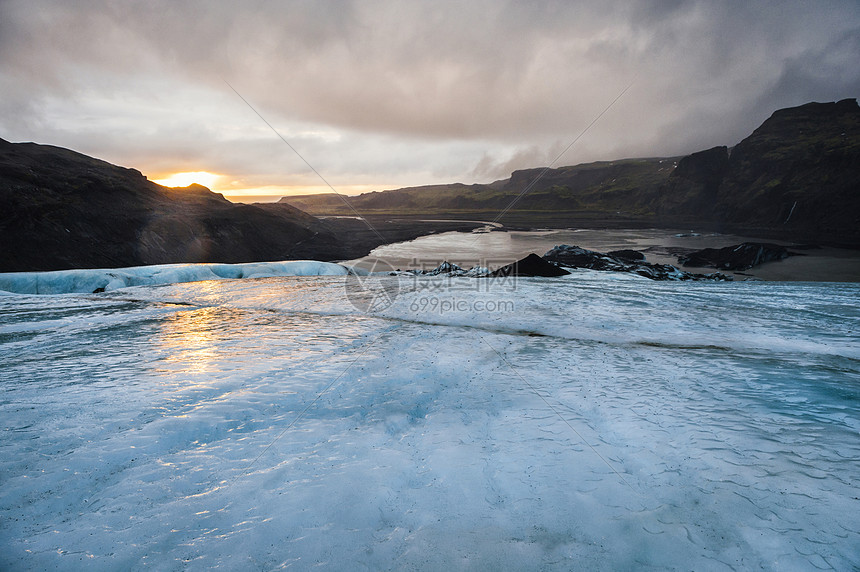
(593, 421)
(496, 249)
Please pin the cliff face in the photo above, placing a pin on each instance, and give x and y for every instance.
(62, 209)
(800, 170)
(798, 174)
(693, 186)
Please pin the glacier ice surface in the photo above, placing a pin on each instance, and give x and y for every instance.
(584, 422)
(106, 279)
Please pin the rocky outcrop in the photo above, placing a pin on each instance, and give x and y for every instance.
(628, 255)
(738, 257)
(576, 257)
(446, 269)
(531, 265)
(555, 262)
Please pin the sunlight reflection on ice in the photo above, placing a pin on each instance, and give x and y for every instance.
(190, 338)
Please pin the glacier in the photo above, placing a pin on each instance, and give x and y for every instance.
(106, 279)
(591, 421)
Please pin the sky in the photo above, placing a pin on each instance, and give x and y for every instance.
(263, 99)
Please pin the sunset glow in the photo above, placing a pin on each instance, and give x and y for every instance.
(272, 193)
(239, 191)
(184, 179)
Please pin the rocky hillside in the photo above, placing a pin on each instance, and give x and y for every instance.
(800, 170)
(62, 209)
(799, 173)
(598, 187)
(797, 176)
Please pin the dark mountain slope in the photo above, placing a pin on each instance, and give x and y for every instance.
(800, 170)
(62, 209)
(600, 186)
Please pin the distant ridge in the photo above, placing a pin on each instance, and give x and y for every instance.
(796, 176)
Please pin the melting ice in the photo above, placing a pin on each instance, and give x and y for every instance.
(591, 421)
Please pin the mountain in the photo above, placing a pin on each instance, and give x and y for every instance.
(800, 170)
(796, 176)
(605, 185)
(62, 209)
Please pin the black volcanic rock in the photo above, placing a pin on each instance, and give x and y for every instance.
(62, 209)
(738, 257)
(571, 257)
(444, 268)
(531, 265)
(576, 257)
(626, 254)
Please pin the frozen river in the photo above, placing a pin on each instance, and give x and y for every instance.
(594, 421)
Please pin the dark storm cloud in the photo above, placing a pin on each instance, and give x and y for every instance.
(507, 82)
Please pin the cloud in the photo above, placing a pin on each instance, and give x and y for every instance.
(410, 91)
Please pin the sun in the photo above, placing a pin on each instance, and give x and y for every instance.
(184, 179)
